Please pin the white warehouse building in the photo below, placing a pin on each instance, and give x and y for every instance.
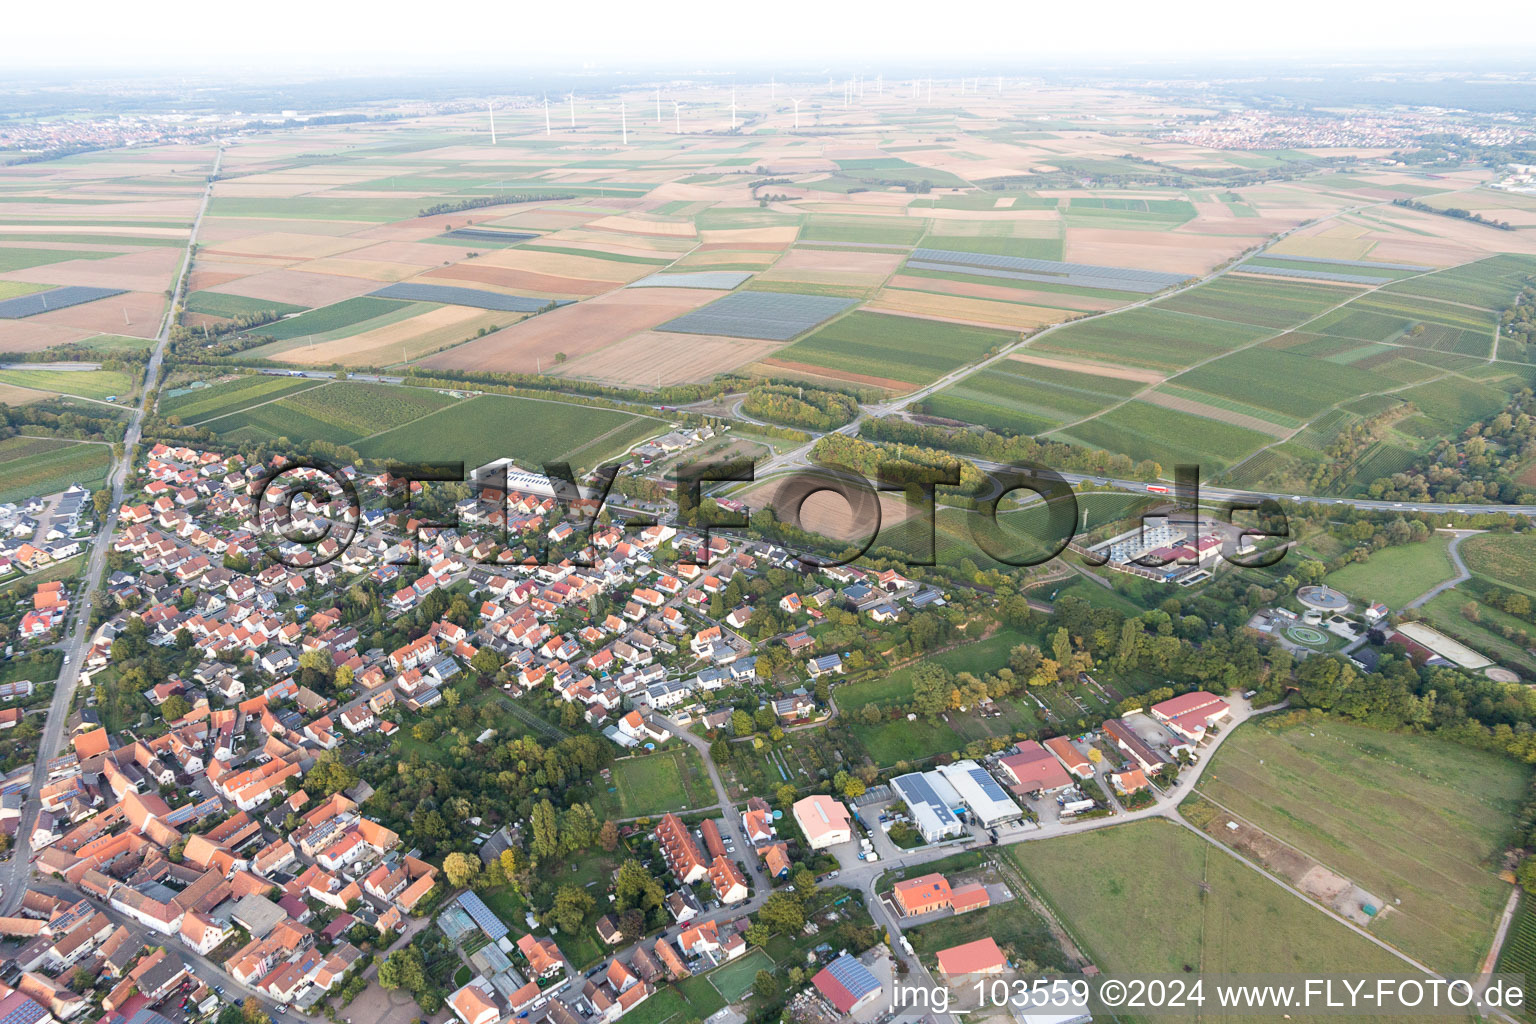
(987, 801)
(931, 810)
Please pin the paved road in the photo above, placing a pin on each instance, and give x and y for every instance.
(732, 826)
(13, 874)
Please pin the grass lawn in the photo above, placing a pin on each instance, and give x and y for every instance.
(1016, 927)
(506, 904)
(1410, 818)
(1445, 614)
(38, 465)
(734, 980)
(668, 780)
(1151, 897)
(701, 995)
(1395, 576)
(987, 655)
(96, 384)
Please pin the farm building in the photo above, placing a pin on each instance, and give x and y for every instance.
(1190, 714)
(824, 821)
(1072, 759)
(847, 984)
(1034, 769)
(980, 957)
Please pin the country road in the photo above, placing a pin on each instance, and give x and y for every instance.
(13, 874)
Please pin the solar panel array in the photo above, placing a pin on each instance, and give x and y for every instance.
(771, 316)
(53, 298)
(987, 783)
(1313, 275)
(853, 976)
(1350, 263)
(488, 922)
(722, 279)
(452, 296)
(489, 235)
(1020, 268)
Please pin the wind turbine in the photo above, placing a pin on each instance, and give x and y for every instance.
(999, 85)
(658, 105)
(677, 116)
(624, 121)
(733, 108)
(797, 114)
(573, 109)
(773, 86)
(546, 115)
(880, 85)
(492, 111)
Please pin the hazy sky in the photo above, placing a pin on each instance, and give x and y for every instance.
(689, 35)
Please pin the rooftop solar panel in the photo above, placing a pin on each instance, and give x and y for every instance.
(487, 921)
(853, 976)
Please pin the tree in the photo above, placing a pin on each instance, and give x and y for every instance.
(486, 662)
(546, 831)
(930, 689)
(329, 775)
(572, 905)
(764, 718)
(763, 985)
(174, 707)
(461, 869)
(741, 723)
(782, 913)
(608, 836)
(252, 1013)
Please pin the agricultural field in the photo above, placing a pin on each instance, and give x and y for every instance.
(97, 384)
(1340, 794)
(36, 465)
(225, 397)
(1150, 898)
(865, 345)
(531, 431)
(228, 306)
(340, 412)
(1508, 559)
(1519, 953)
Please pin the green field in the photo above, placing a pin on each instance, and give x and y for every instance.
(1519, 953)
(1261, 303)
(33, 465)
(734, 980)
(531, 431)
(1168, 436)
(340, 412)
(1153, 899)
(1154, 338)
(226, 397)
(335, 317)
(983, 656)
(229, 306)
(21, 259)
(1026, 398)
(831, 228)
(899, 347)
(1345, 794)
(649, 784)
(85, 383)
(1394, 576)
(1281, 380)
(1505, 558)
(11, 289)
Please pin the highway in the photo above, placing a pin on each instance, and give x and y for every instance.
(13, 874)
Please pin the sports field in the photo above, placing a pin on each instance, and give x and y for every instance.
(1342, 794)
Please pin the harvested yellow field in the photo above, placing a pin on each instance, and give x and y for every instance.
(641, 225)
(1002, 293)
(653, 357)
(731, 257)
(10, 394)
(402, 341)
(1084, 366)
(288, 245)
(1322, 247)
(960, 309)
(751, 238)
(559, 264)
(1212, 412)
(373, 270)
